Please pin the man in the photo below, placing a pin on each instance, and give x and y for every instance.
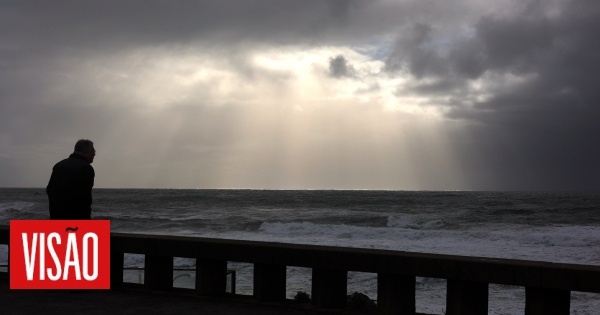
(70, 187)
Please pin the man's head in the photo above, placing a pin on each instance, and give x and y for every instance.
(86, 149)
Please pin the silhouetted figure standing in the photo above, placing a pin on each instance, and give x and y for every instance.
(70, 187)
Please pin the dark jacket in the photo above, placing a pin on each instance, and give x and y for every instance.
(70, 189)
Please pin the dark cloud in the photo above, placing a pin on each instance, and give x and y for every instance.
(519, 82)
(414, 54)
(339, 67)
(535, 130)
(549, 122)
(514, 44)
(100, 25)
(69, 25)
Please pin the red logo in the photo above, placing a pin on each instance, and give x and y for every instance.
(60, 254)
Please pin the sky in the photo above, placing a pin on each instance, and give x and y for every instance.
(311, 94)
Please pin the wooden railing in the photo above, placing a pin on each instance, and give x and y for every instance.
(547, 285)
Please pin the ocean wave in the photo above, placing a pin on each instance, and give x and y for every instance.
(20, 210)
(553, 236)
(413, 223)
(16, 205)
(309, 230)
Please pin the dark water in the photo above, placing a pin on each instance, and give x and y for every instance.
(506, 224)
(546, 226)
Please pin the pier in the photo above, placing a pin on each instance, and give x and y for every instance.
(548, 286)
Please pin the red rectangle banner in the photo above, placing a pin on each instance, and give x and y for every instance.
(60, 254)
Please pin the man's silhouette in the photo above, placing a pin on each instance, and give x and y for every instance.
(70, 187)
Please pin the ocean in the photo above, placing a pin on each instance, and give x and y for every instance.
(544, 226)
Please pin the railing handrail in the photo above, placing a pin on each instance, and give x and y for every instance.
(574, 277)
(547, 285)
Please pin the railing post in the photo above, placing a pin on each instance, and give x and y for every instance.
(329, 288)
(269, 282)
(7, 263)
(540, 301)
(116, 268)
(466, 298)
(211, 276)
(158, 272)
(5, 240)
(396, 294)
(5, 275)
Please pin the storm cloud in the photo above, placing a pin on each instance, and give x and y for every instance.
(304, 94)
(339, 67)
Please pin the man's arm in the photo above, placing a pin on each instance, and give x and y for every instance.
(88, 183)
(51, 184)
